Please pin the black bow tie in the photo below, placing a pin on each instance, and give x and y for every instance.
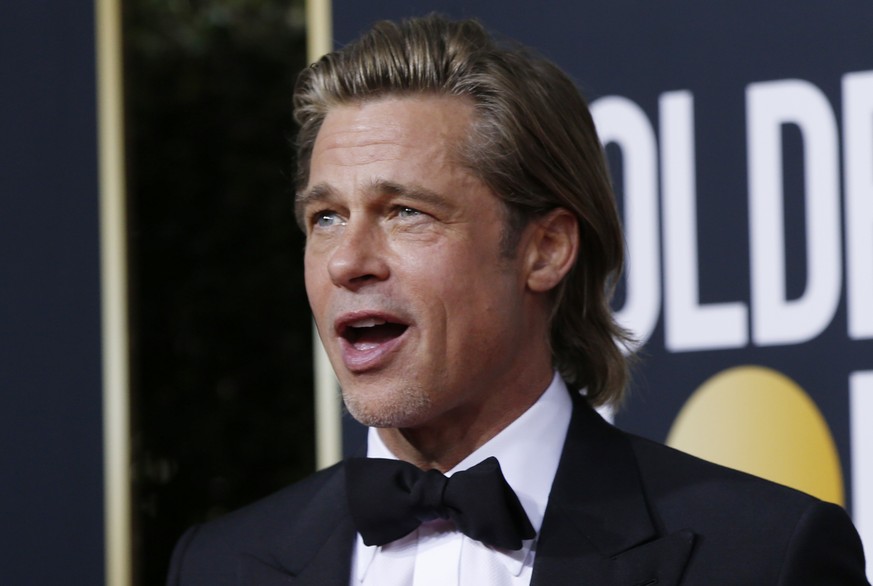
(391, 498)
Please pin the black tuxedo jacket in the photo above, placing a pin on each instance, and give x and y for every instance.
(623, 511)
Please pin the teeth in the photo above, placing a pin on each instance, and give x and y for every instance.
(367, 323)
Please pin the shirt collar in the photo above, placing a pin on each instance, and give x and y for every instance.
(528, 450)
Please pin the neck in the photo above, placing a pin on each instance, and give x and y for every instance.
(441, 444)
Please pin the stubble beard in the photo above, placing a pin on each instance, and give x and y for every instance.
(399, 408)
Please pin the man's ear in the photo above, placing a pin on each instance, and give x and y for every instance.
(551, 249)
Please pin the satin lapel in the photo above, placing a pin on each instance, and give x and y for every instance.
(597, 528)
(316, 550)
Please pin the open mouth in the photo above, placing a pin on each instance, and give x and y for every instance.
(367, 333)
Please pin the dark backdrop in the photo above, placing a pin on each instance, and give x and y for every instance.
(51, 477)
(221, 381)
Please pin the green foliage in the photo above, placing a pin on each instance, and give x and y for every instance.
(222, 384)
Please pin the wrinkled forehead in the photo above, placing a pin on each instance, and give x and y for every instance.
(413, 137)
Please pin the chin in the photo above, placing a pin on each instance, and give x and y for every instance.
(406, 407)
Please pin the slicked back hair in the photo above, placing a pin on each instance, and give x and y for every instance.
(532, 142)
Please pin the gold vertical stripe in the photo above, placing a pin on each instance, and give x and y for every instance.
(319, 28)
(328, 412)
(328, 425)
(113, 277)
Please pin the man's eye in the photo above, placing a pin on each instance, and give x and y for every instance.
(405, 212)
(325, 219)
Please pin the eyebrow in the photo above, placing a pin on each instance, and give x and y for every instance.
(317, 193)
(323, 192)
(412, 192)
(314, 193)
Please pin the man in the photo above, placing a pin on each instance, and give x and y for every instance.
(461, 241)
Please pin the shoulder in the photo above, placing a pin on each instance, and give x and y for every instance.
(209, 550)
(782, 535)
(670, 475)
(270, 513)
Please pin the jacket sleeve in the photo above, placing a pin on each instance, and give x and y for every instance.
(824, 550)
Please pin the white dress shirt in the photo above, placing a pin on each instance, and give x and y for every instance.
(436, 554)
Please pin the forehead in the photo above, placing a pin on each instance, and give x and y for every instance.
(409, 141)
(394, 127)
(411, 144)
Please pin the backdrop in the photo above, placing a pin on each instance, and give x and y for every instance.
(51, 458)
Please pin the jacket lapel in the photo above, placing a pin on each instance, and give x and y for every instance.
(315, 550)
(597, 527)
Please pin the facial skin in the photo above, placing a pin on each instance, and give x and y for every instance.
(436, 336)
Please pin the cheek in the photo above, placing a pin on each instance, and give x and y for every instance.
(314, 277)
(490, 304)
(313, 264)
(308, 281)
(471, 305)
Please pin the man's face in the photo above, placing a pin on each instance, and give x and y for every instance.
(425, 320)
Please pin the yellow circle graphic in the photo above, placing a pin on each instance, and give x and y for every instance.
(760, 421)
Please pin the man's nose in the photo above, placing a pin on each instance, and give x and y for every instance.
(358, 258)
